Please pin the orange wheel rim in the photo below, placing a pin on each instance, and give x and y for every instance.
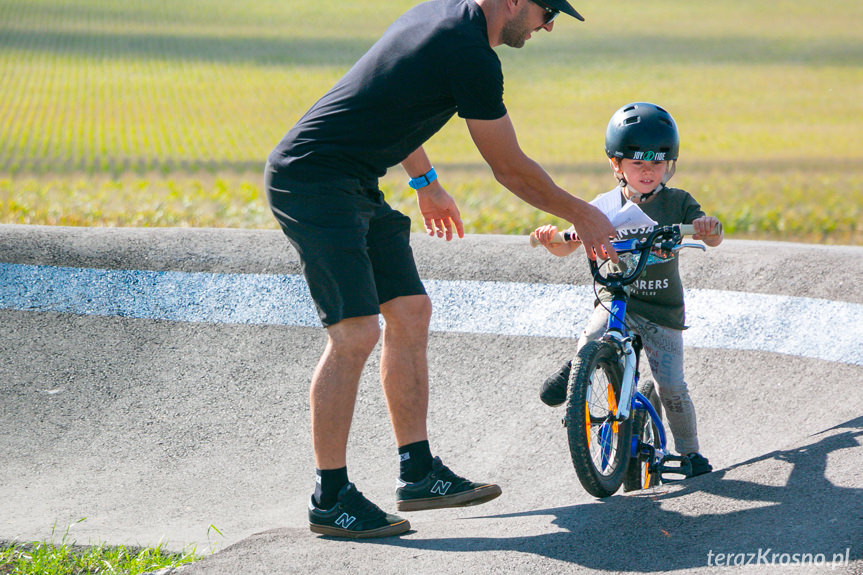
(612, 406)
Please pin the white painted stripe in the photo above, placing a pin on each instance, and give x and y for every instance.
(807, 327)
(176, 296)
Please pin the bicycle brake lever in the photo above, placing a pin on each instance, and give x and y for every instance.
(679, 247)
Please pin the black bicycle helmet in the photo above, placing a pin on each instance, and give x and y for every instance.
(642, 131)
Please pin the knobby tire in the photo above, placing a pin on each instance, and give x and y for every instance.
(637, 474)
(595, 378)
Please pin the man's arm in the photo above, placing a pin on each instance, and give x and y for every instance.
(439, 210)
(496, 141)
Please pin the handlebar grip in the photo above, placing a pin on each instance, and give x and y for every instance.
(689, 229)
(559, 238)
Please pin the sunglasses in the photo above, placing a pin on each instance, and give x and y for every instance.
(550, 13)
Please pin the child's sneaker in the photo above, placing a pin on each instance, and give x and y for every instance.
(699, 464)
(442, 488)
(355, 517)
(553, 391)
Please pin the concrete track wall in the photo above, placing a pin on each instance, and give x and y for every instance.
(155, 381)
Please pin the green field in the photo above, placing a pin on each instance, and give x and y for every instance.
(161, 113)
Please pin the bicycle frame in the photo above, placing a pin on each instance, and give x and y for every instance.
(617, 331)
(630, 397)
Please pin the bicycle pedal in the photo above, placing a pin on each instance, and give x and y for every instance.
(673, 468)
(641, 450)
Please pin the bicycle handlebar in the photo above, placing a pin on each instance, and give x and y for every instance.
(564, 237)
(662, 237)
(665, 238)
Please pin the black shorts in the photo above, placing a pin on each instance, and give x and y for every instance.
(354, 248)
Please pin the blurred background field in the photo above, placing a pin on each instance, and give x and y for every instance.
(162, 113)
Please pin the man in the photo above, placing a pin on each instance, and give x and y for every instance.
(322, 183)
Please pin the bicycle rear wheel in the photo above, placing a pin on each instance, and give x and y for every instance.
(599, 446)
(638, 475)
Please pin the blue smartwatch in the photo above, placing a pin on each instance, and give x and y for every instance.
(423, 180)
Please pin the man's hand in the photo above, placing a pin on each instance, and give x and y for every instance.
(439, 211)
(595, 232)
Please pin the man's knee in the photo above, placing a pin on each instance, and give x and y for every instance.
(356, 335)
(408, 313)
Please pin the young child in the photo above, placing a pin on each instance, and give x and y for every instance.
(642, 145)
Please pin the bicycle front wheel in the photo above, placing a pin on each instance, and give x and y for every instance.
(598, 444)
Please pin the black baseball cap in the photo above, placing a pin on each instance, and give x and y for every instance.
(565, 7)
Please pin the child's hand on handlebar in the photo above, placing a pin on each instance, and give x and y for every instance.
(549, 237)
(708, 230)
(546, 234)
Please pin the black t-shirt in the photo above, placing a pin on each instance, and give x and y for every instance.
(433, 62)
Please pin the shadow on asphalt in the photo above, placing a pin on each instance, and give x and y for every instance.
(649, 532)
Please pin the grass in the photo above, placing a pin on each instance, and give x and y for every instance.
(67, 558)
(161, 113)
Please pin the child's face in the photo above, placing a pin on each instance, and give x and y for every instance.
(641, 176)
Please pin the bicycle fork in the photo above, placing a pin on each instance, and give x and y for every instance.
(621, 407)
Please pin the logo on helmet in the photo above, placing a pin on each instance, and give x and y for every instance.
(649, 156)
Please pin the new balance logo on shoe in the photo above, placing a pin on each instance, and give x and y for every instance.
(344, 521)
(441, 487)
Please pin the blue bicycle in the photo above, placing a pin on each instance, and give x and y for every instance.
(615, 431)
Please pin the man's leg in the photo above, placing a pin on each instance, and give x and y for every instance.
(347, 513)
(327, 224)
(404, 366)
(334, 387)
(426, 483)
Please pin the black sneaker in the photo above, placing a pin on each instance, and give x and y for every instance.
(443, 488)
(699, 464)
(354, 516)
(553, 390)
